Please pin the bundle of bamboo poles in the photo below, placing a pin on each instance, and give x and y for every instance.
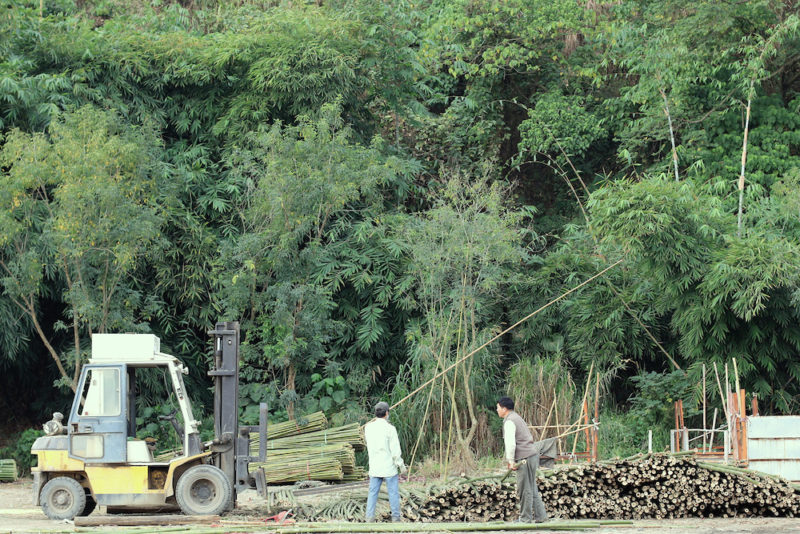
(343, 434)
(651, 487)
(343, 452)
(292, 465)
(302, 425)
(309, 468)
(358, 474)
(8, 470)
(300, 455)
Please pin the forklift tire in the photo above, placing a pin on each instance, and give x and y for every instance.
(63, 498)
(91, 504)
(203, 490)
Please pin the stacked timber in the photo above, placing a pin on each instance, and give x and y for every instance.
(8, 470)
(652, 487)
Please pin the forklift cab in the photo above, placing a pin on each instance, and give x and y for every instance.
(102, 422)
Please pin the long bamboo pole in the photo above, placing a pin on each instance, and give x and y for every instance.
(439, 363)
(595, 444)
(583, 405)
(544, 428)
(704, 407)
(507, 330)
(721, 396)
(744, 159)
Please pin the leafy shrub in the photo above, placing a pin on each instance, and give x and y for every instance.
(540, 384)
(625, 434)
(21, 450)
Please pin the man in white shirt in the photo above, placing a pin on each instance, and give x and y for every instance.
(385, 461)
(522, 456)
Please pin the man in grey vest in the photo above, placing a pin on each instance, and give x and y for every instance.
(522, 457)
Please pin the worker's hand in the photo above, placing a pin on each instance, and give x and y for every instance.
(513, 466)
(402, 469)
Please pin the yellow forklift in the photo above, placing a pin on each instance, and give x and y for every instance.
(97, 459)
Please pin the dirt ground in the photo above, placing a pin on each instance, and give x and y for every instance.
(19, 515)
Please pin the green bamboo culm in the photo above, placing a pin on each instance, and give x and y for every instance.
(8, 470)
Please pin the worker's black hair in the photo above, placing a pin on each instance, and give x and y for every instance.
(380, 412)
(506, 402)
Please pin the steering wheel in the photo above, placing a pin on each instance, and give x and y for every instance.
(173, 421)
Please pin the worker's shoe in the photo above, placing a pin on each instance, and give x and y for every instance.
(369, 519)
(545, 520)
(397, 520)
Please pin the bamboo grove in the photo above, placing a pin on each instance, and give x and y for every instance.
(376, 189)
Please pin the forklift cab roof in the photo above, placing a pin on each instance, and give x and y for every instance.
(137, 350)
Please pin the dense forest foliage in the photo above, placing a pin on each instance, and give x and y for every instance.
(376, 189)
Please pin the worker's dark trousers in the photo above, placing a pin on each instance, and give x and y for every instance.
(530, 501)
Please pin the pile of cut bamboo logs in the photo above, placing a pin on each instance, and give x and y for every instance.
(658, 486)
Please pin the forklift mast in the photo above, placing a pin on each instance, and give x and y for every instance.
(232, 443)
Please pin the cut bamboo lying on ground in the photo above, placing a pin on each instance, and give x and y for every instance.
(657, 486)
(143, 520)
(447, 527)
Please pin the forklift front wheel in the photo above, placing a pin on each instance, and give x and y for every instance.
(63, 498)
(203, 490)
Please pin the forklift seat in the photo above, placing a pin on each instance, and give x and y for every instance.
(139, 452)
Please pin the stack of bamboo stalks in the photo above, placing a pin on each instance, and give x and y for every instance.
(350, 434)
(309, 468)
(652, 487)
(8, 470)
(326, 462)
(311, 452)
(303, 425)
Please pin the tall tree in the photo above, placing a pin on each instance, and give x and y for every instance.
(79, 209)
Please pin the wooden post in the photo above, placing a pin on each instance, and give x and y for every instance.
(754, 405)
(677, 418)
(742, 427)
